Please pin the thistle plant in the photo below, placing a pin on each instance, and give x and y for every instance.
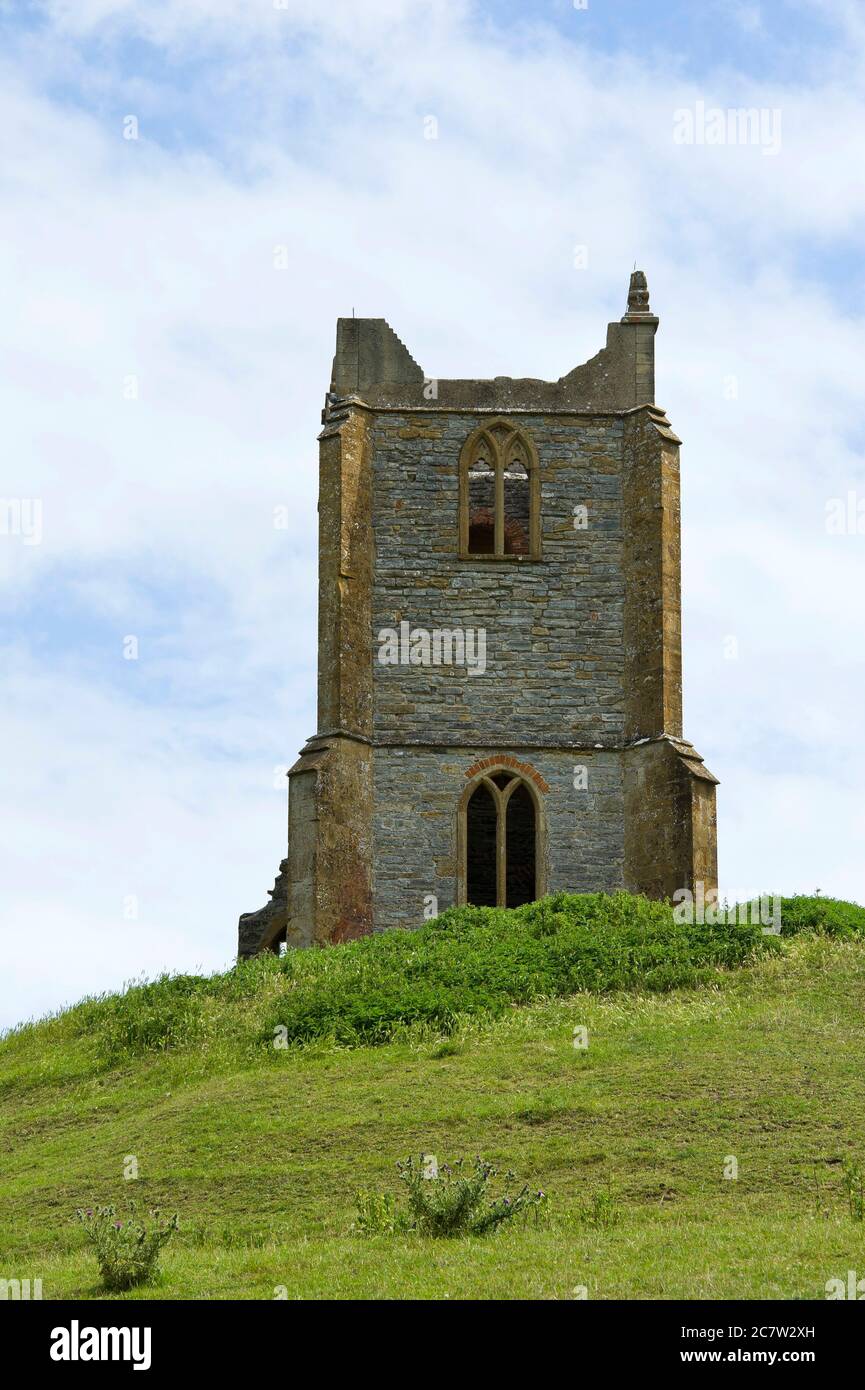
(126, 1250)
(459, 1202)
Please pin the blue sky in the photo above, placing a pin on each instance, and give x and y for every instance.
(158, 781)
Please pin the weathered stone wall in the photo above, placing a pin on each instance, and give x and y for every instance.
(651, 564)
(343, 851)
(417, 792)
(554, 659)
(704, 832)
(583, 649)
(669, 810)
(330, 850)
(345, 566)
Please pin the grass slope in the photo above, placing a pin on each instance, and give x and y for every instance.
(261, 1149)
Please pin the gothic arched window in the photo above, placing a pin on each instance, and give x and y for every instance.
(500, 830)
(499, 494)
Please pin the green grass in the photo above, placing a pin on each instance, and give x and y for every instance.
(468, 962)
(261, 1149)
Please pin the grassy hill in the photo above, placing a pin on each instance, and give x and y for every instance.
(256, 1104)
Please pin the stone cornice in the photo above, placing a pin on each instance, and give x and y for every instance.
(337, 412)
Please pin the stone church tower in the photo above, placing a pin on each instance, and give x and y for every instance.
(500, 667)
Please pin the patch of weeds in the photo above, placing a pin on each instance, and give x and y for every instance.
(127, 1251)
(449, 1201)
(819, 1194)
(601, 1211)
(853, 1179)
(377, 1215)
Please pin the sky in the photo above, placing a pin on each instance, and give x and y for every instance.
(191, 192)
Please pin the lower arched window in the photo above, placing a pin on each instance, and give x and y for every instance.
(500, 834)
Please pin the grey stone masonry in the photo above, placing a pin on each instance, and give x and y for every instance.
(554, 652)
(584, 825)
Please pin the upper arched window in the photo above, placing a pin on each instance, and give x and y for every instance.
(499, 494)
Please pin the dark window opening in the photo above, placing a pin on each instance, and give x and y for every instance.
(518, 883)
(520, 849)
(481, 817)
(482, 533)
(482, 508)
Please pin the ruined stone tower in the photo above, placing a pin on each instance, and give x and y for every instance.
(500, 671)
